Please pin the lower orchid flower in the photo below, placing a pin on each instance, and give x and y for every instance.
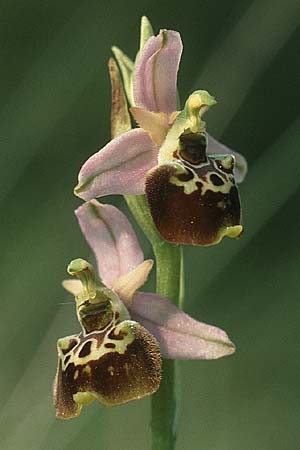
(113, 360)
(117, 356)
(188, 177)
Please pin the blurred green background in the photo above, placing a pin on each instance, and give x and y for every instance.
(55, 112)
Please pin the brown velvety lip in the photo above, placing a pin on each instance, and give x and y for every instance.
(200, 217)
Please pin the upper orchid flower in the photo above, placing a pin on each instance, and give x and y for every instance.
(97, 372)
(187, 175)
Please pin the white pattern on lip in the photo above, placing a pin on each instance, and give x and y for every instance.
(97, 351)
(191, 185)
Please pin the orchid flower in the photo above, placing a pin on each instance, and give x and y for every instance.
(116, 358)
(188, 177)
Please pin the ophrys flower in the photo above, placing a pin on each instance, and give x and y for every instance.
(188, 176)
(122, 327)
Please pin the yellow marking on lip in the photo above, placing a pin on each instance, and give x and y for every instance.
(83, 398)
(87, 370)
(234, 231)
(228, 162)
(231, 232)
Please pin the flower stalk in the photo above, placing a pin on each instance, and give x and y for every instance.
(165, 404)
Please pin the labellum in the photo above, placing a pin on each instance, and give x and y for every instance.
(193, 197)
(113, 360)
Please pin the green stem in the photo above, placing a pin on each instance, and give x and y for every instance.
(165, 402)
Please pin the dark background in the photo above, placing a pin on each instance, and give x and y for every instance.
(54, 113)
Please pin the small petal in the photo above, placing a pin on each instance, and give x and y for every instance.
(72, 286)
(179, 336)
(155, 76)
(112, 239)
(119, 167)
(126, 285)
(156, 124)
(215, 147)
